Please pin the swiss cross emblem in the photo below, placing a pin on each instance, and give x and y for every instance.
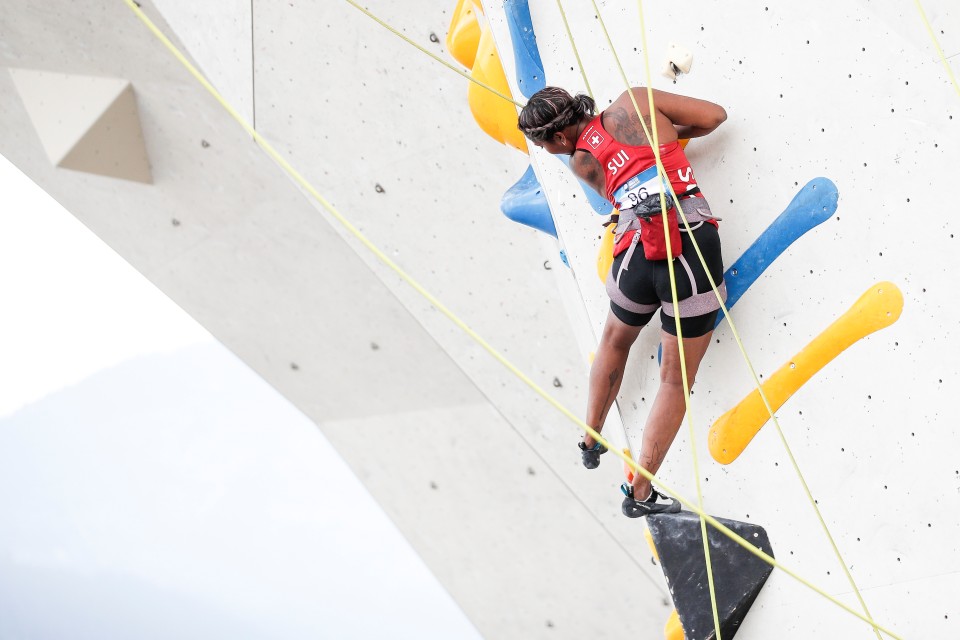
(592, 137)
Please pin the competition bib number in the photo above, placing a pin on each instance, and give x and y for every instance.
(642, 193)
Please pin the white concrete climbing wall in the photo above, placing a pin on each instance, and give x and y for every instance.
(855, 94)
(425, 418)
(850, 93)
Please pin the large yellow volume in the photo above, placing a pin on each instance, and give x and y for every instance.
(463, 39)
(496, 116)
(879, 307)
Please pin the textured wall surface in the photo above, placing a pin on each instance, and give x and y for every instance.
(482, 476)
(857, 95)
(433, 425)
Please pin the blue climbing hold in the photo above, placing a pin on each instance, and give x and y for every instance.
(815, 203)
(526, 55)
(525, 203)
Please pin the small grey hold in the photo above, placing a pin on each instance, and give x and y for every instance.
(557, 383)
(546, 265)
(175, 222)
(204, 144)
(434, 38)
(294, 366)
(374, 346)
(378, 188)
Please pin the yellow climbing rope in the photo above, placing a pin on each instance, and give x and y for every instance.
(462, 72)
(576, 53)
(936, 45)
(662, 174)
(726, 311)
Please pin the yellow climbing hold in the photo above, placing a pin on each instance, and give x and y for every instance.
(463, 39)
(627, 469)
(496, 116)
(673, 630)
(605, 255)
(879, 307)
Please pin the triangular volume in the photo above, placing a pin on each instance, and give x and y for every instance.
(86, 123)
(738, 575)
(114, 145)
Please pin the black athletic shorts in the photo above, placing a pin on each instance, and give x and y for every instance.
(641, 287)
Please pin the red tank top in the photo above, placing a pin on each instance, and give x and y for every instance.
(623, 162)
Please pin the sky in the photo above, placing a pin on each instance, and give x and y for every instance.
(153, 486)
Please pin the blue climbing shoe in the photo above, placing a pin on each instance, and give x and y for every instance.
(591, 456)
(633, 508)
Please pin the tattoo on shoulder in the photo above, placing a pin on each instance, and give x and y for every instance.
(588, 168)
(625, 126)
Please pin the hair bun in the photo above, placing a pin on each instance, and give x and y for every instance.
(552, 109)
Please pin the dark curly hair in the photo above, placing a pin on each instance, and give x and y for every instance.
(551, 110)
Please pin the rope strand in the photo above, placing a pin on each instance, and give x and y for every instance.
(576, 54)
(936, 45)
(726, 311)
(431, 54)
(662, 175)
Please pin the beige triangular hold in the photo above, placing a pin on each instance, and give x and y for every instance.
(63, 107)
(86, 123)
(113, 146)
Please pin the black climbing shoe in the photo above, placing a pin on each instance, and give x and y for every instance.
(591, 456)
(633, 508)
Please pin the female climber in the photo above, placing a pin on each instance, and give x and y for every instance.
(612, 152)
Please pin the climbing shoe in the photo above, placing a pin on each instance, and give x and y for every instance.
(633, 508)
(591, 456)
